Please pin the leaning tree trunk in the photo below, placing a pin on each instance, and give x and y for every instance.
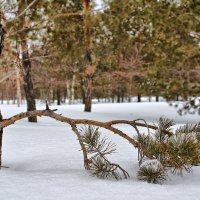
(28, 84)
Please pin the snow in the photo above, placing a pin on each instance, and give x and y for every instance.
(152, 164)
(45, 161)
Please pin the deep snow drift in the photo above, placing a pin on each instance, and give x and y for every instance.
(45, 162)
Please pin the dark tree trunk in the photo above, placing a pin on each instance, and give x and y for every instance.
(122, 99)
(28, 84)
(129, 91)
(65, 95)
(54, 96)
(58, 96)
(157, 98)
(1, 139)
(139, 97)
(2, 97)
(88, 95)
(26, 63)
(83, 93)
(118, 98)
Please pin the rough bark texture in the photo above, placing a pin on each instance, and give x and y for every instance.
(19, 96)
(87, 96)
(2, 33)
(26, 62)
(28, 84)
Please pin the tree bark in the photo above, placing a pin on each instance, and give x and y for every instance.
(58, 96)
(139, 97)
(28, 84)
(87, 96)
(68, 92)
(19, 96)
(72, 88)
(26, 63)
(118, 98)
(129, 90)
(2, 97)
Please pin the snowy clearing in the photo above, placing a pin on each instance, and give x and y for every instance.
(45, 162)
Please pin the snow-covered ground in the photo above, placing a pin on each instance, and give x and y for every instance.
(45, 162)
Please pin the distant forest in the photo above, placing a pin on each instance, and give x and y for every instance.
(60, 50)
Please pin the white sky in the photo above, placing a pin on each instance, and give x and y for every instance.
(99, 2)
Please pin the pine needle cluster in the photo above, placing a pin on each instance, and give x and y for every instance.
(178, 150)
(183, 149)
(152, 171)
(99, 148)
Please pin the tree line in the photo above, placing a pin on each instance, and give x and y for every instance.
(68, 49)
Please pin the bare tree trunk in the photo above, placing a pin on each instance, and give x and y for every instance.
(83, 92)
(19, 96)
(139, 97)
(157, 98)
(64, 95)
(88, 82)
(58, 96)
(41, 95)
(49, 93)
(26, 64)
(122, 98)
(28, 84)
(68, 92)
(88, 96)
(118, 98)
(2, 97)
(72, 88)
(54, 96)
(129, 91)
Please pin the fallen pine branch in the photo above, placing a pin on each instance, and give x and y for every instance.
(73, 123)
